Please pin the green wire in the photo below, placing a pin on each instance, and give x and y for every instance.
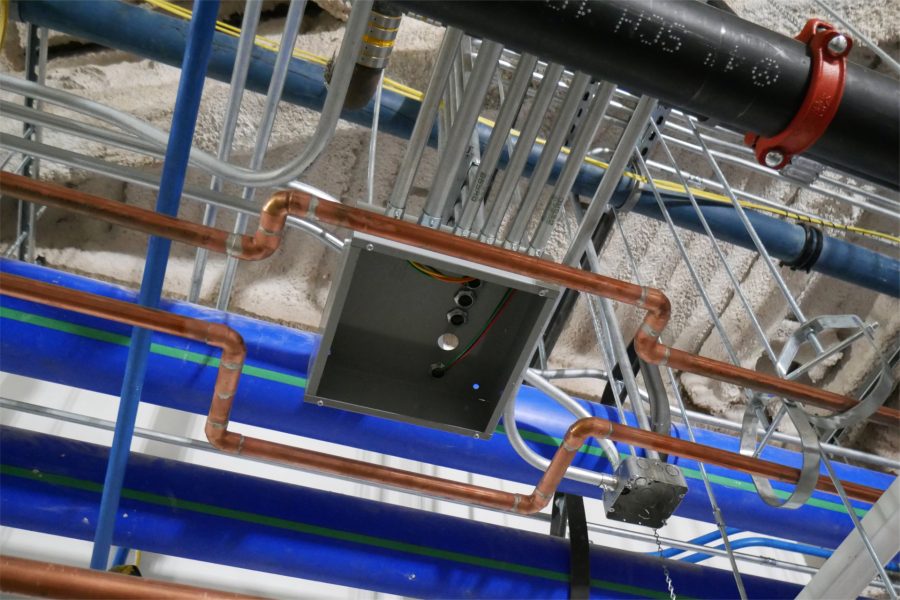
(487, 324)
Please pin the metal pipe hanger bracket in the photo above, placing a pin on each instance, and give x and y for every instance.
(828, 49)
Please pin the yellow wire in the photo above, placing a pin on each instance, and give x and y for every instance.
(434, 274)
(420, 268)
(4, 18)
(661, 184)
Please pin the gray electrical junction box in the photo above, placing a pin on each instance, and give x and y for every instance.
(380, 351)
(647, 493)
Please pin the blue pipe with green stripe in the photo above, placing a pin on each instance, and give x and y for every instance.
(52, 485)
(89, 353)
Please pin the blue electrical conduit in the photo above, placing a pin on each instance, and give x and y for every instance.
(120, 557)
(703, 539)
(90, 353)
(52, 485)
(750, 542)
(184, 120)
(761, 542)
(162, 38)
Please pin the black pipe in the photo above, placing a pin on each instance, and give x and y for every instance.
(383, 25)
(700, 59)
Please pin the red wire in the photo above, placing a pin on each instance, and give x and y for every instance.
(486, 329)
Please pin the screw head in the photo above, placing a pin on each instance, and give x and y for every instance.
(477, 436)
(838, 45)
(774, 158)
(542, 293)
(370, 247)
(320, 403)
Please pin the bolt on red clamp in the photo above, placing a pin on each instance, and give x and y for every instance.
(828, 49)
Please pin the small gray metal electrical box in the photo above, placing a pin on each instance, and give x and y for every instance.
(648, 492)
(382, 346)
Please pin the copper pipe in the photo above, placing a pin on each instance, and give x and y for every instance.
(50, 580)
(272, 223)
(256, 247)
(234, 352)
(230, 365)
(652, 300)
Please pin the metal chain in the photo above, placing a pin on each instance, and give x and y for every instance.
(665, 569)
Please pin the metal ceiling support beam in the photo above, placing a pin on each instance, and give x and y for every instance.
(850, 568)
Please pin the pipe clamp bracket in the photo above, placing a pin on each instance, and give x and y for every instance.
(828, 50)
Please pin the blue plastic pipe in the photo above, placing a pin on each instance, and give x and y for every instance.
(162, 38)
(184, 120)
(89, 353)
(52, 485)
(762, 542)
(784, 241)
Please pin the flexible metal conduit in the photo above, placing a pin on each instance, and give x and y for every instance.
(282, 204)
(231, 364)
(26, 577)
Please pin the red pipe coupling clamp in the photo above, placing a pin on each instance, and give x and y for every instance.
(828, 49)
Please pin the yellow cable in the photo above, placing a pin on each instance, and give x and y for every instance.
(4, 19)
(408, 92)
(440, 276)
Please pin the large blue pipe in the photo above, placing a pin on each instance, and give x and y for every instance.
(52, 485)
(89, 353)
(162, 38)
(171, 183)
